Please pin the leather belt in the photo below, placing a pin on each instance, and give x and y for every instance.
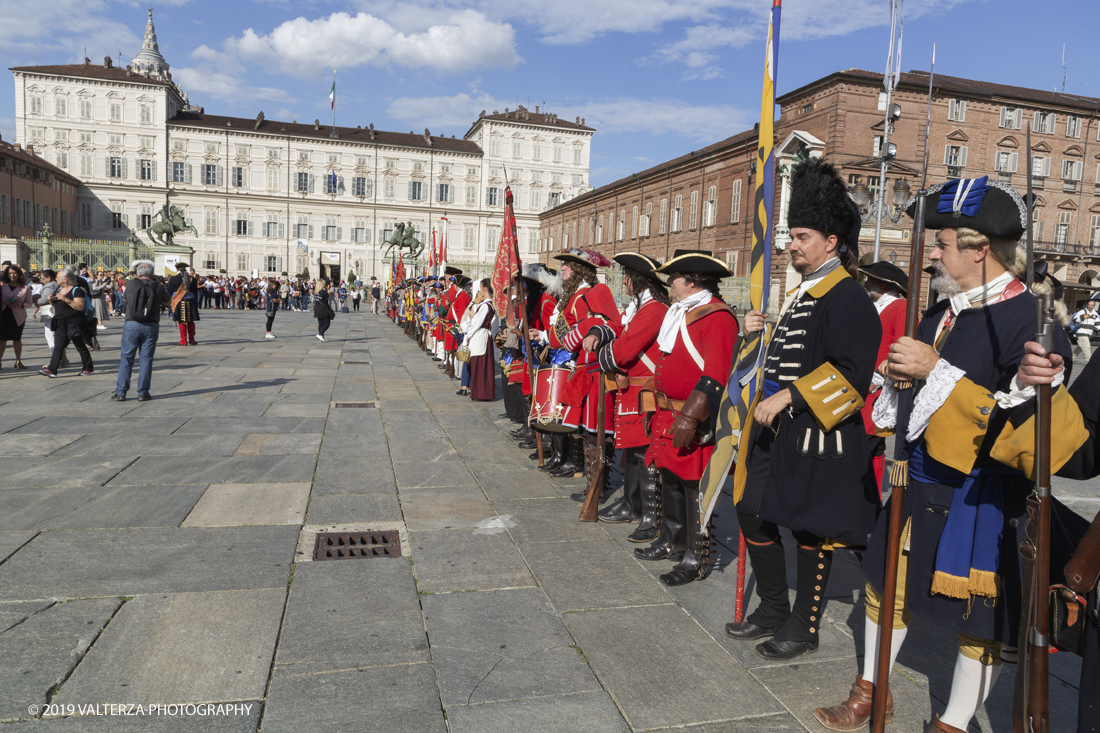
(665, 403)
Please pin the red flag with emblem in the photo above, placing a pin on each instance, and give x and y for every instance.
(400, 269)
(507, 263)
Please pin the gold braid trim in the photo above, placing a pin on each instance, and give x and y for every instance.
(899, 473)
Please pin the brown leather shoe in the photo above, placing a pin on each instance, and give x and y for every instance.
(854, 712)
(938, 726)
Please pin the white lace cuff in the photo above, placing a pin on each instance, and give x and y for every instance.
(937, 388)
(1017, 395)
(884, 414)
(877, 379)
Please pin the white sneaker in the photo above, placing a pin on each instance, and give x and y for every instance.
(321, 338)
(269, 336)
(101, 328)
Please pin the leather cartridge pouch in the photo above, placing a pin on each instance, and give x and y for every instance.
(1067, 620)
(1083, 568)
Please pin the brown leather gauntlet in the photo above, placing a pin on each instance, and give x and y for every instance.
(694, 411)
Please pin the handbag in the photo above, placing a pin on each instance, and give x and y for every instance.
(46, 311)
(463, 353)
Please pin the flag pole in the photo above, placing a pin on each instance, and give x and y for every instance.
(334, 102)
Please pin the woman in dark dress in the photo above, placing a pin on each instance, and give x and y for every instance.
(271, 304)
(68, 318)
(480, 330)
(13, 312)
(184, 290)
(322, 311)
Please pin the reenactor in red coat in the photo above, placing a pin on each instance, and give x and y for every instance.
(585, 304)
(888, 286)
(632, 358)
(695, 346)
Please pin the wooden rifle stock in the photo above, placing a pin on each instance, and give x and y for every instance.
(899, 479)
(592, 497)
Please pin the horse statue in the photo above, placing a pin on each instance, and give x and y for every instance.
(403, 238)
(170, 223)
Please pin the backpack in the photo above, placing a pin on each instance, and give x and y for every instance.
(141, 302)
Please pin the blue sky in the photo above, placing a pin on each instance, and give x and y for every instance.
(657, 78)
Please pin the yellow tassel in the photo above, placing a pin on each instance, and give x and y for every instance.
(951, 586)
(899, 473)
(902, 385)
(984, 583)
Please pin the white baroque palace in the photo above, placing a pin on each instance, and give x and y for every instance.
(283, 196)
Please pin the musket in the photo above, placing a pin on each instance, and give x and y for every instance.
(592, 496)
(1031, 700)
(899, 471)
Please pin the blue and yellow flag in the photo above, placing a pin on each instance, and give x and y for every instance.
(741, 391)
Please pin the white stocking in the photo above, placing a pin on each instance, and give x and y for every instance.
(969, 688)
(870, 647)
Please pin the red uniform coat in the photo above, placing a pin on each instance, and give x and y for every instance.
(543, 314)
(457, 302)
(635, 353)
(677, 374)
(893, 328)
(590, 306)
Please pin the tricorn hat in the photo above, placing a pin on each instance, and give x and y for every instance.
(463, 281)
(990, 207)
(695, 261)
(820, 201)
(585, 257)
(637, 262)
(182, 266)
(448, 270)
(887, 272)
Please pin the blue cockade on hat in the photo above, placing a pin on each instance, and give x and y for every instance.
(963, 196)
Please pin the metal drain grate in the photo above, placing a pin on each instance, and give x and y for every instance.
(351, 545)
(357, 362)
(357, 404)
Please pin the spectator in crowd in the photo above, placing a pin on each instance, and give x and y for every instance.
(16, 298)
(322, 309)
(1087, 322)
(342, 295)
(355, 296)
(145, 299)
(272, 301)
(68, 319)
(44, 309)
(375, 296)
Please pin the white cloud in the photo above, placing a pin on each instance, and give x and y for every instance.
(695, 49)
(456, 111)
(66, 26)
(698, 123)
(305, 47)
(206, 80)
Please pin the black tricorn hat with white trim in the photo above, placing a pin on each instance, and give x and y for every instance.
(990, 207)
(887, 272)
(695, 262)
(637, 262)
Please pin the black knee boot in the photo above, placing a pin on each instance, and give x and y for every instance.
(630, 508)
(769, 567)
(696, 562)
(800, 632)
(650, 490)
(573, 462)
(671, 542)
(559, 446)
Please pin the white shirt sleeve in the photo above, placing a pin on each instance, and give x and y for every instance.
(937, 388)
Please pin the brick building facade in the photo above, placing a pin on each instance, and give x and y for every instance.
(702, 200)
(34, 193)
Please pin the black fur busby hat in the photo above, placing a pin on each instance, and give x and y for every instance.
(820, 201)
(990, 207)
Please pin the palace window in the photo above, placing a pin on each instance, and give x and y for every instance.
(147, 170)
(735, 209)
(361, 186)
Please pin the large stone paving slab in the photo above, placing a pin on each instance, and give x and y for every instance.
(590, 712)
(621, 644)
(352, 613)
(441, 474)
(401, 699)
(550, 520)
(594, 574)
(502, 645)
(118, 562)
(459, 559)
(40, 653)
(227, 505)
(218, 470)
(354, 509)
(92, 507)
(358, 476)
(125, 444)
(446, 508)
(55, 472)
(246, 719)
(226, 638)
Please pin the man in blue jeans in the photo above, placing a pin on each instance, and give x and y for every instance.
(144, 298)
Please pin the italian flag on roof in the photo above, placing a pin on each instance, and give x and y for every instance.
(332, 93)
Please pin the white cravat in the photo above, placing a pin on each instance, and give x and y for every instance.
(981, 294)
(635, 305)
(675, 316)
(884, 300)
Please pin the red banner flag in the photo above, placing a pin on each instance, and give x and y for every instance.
(400, 269)
(431, 257)
(507, 263)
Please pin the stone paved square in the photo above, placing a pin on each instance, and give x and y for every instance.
(170, 526)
